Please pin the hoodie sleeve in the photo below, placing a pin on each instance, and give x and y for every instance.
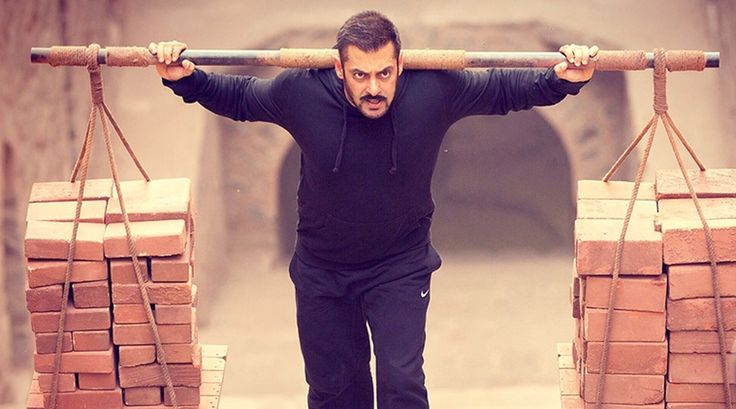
(499, 91)
(239, 97)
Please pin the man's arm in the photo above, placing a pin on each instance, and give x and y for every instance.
(238, 97)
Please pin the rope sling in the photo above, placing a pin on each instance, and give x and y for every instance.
(100, 110)
(661, 65)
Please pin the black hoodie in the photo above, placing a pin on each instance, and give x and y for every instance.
(364, 187)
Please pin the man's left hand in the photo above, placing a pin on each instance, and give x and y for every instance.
(579, 66)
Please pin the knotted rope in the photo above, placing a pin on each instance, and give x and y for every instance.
(81, 168)
(661, 64)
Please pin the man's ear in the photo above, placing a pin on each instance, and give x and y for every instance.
(401, 62)
(338, 67)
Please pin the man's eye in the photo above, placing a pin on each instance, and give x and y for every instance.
(385, 74)
(359, 75)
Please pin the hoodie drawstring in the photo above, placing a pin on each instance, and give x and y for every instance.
(343, 136)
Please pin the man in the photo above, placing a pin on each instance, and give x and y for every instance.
(370, 134)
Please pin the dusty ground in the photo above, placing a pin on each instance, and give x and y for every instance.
(493, 325)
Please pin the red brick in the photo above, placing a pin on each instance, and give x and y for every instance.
(712, 183)
(721, 208)
(643, 358)
(627, 326)
(98, 381)
(173, 268)
(93, 294)
(122, 271)
(181, 353)
(153, 238)
(620, 190)
(694, 280)
(173, 314)
(615, 209)
(676, 405)
(141, 334)
(684, 241)
(158, 293)
(699, 368)
(88, 399)
(44, 299)
(67, 191)
(150, 395)
(596, 245)
(684, 342)
(698, 314)
(136, 355)
(208, 405)
(67, 382)
(77, 362)
(697, 393)
(46, 342)
(91, 340)
(626, 389)
(161, 199)
(129, 314)
(184, 396)
(77, 319)
(576, 402)
(151, 375)
(633, 293)
(93, 211)
(42, 272)
(50, 240)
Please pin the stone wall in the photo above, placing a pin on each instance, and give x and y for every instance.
(42, 115)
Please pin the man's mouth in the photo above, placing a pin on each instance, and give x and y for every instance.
(373, 102)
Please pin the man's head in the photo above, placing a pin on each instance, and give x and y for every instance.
(369, 62)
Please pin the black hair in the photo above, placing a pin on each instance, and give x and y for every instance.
(369, 31)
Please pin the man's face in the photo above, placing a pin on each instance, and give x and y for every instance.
(369, 78)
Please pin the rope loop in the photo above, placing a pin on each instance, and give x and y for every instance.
(660, 81)
(95, 74)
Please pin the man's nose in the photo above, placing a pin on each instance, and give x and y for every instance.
(374, 88)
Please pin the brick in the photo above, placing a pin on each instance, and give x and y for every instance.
(77, 319)
(670, 184)
(88, 399)
(122, 271)
(43, 273)
(633, 293)
(136, 355)
(77, 362)
(684, 241)
(158, 293)
(173, 268)
(173, 314)
(627, 326)
(67, 382)
(207, 405)
(129, 314)
(150, 395)
(721, 208)
(93, 294)
(615, 209)
(644, 358)
(626, 389)
(684, 342)
(141, 334)
(576, 402)
(699, 368)
(46, 342)
(160, 199)
(679, 405)
(93, 211)
(150, 375)
(698, 314)
(596, 246)
(696, 393)
(50, 240)
(94, 189)
(181, 353)
(44, 299)
(153, 238)
(98, 381)
(91, 340)
(619, 190)
(184, 396)
(694, 280)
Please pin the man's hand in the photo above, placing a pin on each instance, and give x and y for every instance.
(579, 56)
(168, 52)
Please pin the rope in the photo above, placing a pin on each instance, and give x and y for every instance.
(99, 109)
(660, 113)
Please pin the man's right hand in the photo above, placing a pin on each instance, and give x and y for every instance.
(168, 52)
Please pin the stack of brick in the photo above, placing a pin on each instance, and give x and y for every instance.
(694, 378)
(108, 356)
(637, 359)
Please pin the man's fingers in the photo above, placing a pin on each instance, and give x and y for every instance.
(188, 66)
(578, 53)
(152, 48)
(178, 48)
(560, 69)
(585, 54)
(168, 50)
(161, 52)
